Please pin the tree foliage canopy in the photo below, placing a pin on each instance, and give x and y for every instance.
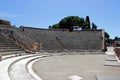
(85, 25)
(68, 22)
(107, 36)
(94, 26)
(71, 21)
(88, 21)
(55, 26)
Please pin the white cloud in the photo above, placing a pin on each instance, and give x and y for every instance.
(7, 15)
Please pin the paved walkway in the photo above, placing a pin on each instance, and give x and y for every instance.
(111, 58)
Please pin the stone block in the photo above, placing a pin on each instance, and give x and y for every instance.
(107, 77)
(112, 63)
(111, 58)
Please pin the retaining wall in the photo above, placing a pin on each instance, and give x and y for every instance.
(82, 40)
(65, 40)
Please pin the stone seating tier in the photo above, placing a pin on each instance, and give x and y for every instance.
(8, 46)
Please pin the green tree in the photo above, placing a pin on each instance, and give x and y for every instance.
(55, 26)
(110, 41)
(94, 26)
(71, 21)
(107, 36)
(115, 38)
(85, 25)
(50, 26)
(88, 20)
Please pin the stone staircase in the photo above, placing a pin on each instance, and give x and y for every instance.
(8, 47)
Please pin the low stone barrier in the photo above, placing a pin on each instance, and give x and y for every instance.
(117, 51)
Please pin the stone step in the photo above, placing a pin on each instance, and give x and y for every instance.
(6, 40)
(7, 43)
(110, 58)
(112, 63)
(10, 47)
(9, 50)
(4, 66)
(107, 77)
(15, 70)
(12, 52)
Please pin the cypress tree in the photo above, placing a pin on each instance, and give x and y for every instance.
(88, 20)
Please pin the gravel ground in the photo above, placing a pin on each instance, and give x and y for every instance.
(62, 67)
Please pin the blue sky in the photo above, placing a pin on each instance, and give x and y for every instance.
(42, 13)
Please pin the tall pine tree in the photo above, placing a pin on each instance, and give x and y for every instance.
(88, 20)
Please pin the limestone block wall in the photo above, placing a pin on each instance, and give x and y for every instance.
(61, 40)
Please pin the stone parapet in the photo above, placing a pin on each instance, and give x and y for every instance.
(117, 51)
